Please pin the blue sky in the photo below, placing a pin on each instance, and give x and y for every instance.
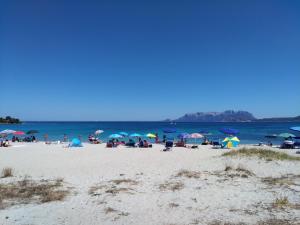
(148, 60)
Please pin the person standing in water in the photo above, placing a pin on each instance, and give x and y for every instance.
(65, 138)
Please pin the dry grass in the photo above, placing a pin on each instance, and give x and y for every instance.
(171, 186)
(7, 172)
(217, 222)
(264, 222)
(232, 172)
(281, 202)
(114, 190)
(125, 181)
(112, 187)
(188, 174)
(277, 222)
(117, 213)
(281, 181)
(94, 189)
(26, 191)
(110, 210)
(262, 153)
(173, 205)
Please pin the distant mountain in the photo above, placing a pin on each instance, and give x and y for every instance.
(281, 119)
(226, 116)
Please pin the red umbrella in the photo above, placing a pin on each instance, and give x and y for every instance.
(19, 133)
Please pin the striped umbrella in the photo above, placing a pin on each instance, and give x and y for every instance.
(230, 142)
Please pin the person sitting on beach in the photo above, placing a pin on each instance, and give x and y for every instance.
(180, 143)
(13, 139)
(141, 143)
(5, 143)
(91, 139)
(156, 138)
(1, 141)
(147, 144)
(205, 142)
(130, 143)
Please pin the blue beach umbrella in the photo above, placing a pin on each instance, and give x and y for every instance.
(271, 136)
(286, 135)
(183, 135)
(295, 129)
(205, 133)
(135, 135)
(229, 131)
(124, 134)
(115, 136)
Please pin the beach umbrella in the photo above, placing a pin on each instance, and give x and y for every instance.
(19, 133)
(124, 134)
(115, 136)
(196, 135)
(183, 135)
(286, 135)
(7, 132)
(295, 128)
(97, 132)
(205, 133)
(230, 142)
(135, 135)
(32, 132)
(271, 136)
(150, 135)
(169, 130)
(229, 131)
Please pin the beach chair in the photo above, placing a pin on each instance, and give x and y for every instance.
(109, 145)
(180, 144)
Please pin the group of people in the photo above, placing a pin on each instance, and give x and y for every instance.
(25, 139)
(93, 140)
(131, 143)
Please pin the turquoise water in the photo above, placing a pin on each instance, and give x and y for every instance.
(249, 132)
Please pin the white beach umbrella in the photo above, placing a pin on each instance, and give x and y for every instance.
(97, 132)
(196, 135)
(7, 132)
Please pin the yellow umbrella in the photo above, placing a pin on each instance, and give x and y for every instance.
(230, 142)
(151, 135)
(235, 139)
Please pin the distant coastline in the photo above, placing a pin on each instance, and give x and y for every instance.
(9, 120)
(229, 116)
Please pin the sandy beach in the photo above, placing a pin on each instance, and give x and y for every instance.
(147, 186)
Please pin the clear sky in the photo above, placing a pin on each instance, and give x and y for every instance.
(148, 60)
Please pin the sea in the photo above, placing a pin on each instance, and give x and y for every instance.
(249, 132)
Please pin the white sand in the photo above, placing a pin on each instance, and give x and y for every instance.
(215, 196)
